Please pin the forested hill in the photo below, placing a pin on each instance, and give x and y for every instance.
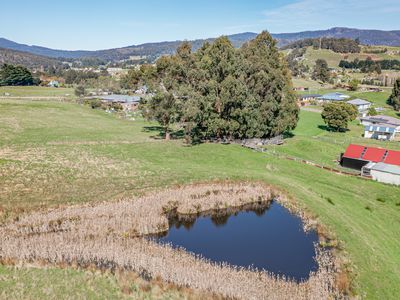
(371, 37)
(26, 59)
(365, 36)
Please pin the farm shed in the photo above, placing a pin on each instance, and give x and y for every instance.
(382, 172)
(357, 156)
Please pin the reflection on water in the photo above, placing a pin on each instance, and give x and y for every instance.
(265, 236)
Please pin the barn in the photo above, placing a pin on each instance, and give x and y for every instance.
(357, 156)
(382, 172)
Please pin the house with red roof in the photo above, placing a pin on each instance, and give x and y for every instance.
(357, 156)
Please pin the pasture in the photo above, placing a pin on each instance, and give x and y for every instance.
(56, 154)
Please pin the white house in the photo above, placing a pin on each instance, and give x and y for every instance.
(362, 106)
(382, 172)
(381, 127)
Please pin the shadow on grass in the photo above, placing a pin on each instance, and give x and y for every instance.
(159, 132)
(327, 128)
(288, 135)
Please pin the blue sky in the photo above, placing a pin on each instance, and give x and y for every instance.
(90, 24)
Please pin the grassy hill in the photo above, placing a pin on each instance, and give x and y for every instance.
(54, 153)
(333, 58)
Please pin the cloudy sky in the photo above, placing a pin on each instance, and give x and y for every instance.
(101, 24)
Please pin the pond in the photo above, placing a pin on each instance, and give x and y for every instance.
(266, 236)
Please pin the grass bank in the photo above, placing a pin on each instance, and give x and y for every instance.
(61, 153)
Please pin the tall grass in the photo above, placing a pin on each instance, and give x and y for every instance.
(110, 236)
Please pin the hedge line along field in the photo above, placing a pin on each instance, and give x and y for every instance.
(57, 154)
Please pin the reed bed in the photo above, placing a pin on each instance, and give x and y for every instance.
(111, 236)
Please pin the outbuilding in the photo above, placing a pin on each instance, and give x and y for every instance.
(357, 156)
(382, 172)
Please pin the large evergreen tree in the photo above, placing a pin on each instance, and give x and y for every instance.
(321, 71)
(228, 93)
(15, 75)
(394, 98)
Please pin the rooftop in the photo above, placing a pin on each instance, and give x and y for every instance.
(334, 96)
(358, 102)
(119, 98)
(373, 154)
(387, 168)
(381, 119)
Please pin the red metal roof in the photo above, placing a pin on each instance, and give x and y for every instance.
(393, 158)
(374, 154)
(354, 151)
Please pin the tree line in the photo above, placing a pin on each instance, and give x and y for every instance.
(16, 75)
(341, 45)
(369, 65)
(220, 92)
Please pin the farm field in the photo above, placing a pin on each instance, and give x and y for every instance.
(36, 91)
(54, 154)
(333, 59)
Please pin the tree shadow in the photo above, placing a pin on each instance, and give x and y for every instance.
(324, 127)
(288, 135)
(327, 128)
(159, 132)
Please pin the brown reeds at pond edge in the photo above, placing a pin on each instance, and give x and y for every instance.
(111, 236)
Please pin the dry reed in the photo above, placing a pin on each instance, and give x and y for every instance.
(110, 236)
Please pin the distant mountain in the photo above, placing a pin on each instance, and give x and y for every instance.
(26, 59)
(366, 36)
(153, 50)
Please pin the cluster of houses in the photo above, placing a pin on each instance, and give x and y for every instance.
(380, 164)
(378, 127)
(128, 103)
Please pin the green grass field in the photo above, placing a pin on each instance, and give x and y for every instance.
(55, 153)
(333, 59)
(36, 91)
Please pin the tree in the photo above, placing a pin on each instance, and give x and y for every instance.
(79, 91)
(372, 111)
(163, 108)
(353, 85)
(223, 93)
(321, 71)
(394, 98)
(16, 75)
(338, 115)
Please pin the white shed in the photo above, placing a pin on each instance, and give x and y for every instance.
(382, 172)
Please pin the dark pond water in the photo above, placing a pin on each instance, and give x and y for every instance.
(269, 238)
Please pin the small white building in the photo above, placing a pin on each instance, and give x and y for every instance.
(362, 106)
(381, 172)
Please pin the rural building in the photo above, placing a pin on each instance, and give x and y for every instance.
(129, 103)
(357, 156)
(382, 172)
(54, 83)
(333, 97)
(381, 127)
(307, 98)
(362, 106)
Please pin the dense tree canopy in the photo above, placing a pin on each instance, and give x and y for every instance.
(394, 98)
(16, 75)
(227, 93)
(321, 71)
(338, 115)
(369, 65)
(341, 45)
